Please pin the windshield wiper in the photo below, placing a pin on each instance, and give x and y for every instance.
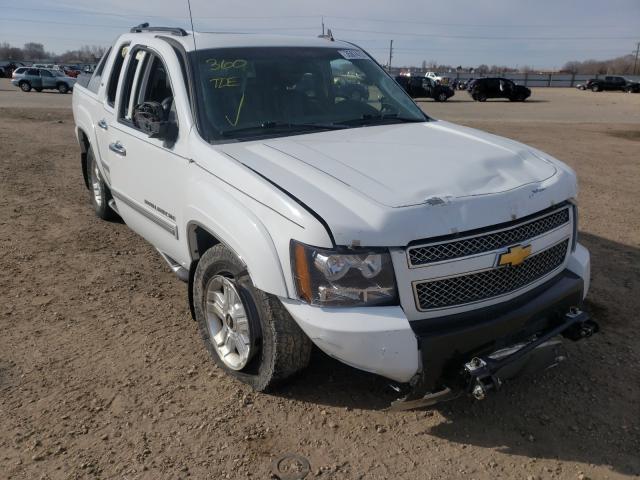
(280, 126)
(368, 119)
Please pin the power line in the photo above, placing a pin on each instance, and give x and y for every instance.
(478, 25)
(353, 30)
(120, 27)
(275, 17)
(146, 15)
(476, 37)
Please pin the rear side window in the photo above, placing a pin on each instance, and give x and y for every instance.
(118, 61)
(96, 78)
(33, 71)
(20, 71)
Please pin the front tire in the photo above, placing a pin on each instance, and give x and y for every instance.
(248, 333)
(595, 88)
(442, 97)
(25, 86)
(63, 88)
(98, 189)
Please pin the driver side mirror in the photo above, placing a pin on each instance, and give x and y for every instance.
(153, 118)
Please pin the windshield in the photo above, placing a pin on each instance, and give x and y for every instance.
(247, 93)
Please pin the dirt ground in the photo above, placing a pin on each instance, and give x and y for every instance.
(103, 375)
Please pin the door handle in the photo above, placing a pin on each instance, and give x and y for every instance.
(103, 124)
(117, 148)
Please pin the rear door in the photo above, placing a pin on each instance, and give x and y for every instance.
(492, 86)
(48, 80)
(148, 174)
(104, 116)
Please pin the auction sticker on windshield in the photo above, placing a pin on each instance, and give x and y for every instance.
(353, 54)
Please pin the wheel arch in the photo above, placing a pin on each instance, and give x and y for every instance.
(85, 144)
(251, 243)
(265, 275)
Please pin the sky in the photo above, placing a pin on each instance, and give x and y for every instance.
(543, 34)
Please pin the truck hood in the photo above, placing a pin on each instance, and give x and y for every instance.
(373, 171)
(402, 165)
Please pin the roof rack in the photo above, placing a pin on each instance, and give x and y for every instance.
(144, 27)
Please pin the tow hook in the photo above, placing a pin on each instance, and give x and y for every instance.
(582, 327)
(482, 379)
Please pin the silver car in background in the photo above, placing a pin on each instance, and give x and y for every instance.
(27, 78)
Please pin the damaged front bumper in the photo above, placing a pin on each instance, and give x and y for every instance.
(476, 352)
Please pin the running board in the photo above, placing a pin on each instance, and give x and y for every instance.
(113, 206)
(181, 272)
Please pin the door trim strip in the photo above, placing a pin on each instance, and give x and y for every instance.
(160, 221)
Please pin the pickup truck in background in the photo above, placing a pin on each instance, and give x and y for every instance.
(609, 83)
(443, 258)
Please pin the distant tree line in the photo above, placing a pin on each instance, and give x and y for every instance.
(33, 51)
(620, 65)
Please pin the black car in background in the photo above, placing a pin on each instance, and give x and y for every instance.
(483, 88)
(612, 82)
(425, 87)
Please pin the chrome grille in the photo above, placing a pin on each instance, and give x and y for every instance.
(489, 283)
(423, 255)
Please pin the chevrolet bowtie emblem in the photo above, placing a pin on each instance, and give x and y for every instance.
(515, 255)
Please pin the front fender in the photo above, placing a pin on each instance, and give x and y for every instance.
(233, 224)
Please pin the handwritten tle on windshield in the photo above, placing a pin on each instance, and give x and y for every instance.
(227, 71)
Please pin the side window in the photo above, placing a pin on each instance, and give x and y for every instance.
(157, 84)
(96, 78)
(131, 85)
(33, 71)
(147, 80)
(118, 61)
(45, 73)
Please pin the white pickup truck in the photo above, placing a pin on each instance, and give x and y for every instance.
(440, 257)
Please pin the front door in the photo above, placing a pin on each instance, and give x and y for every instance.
(148, 174)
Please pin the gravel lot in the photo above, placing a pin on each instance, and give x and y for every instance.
(103, 375)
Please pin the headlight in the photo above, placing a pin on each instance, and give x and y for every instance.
(357, 277)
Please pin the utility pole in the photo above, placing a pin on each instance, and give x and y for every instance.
(390, 53)
(322, 25)
(635, 64)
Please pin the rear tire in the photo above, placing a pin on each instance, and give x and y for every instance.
(481, 97)
(98, 189)
(63, 88)
(595, 88)
(25, 86)
(273, 347)
(442, 97)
